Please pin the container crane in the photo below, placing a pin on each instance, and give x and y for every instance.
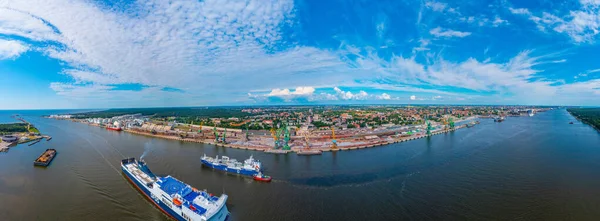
(333, 140)
(286, 138)
(216, 134)
(275, 138)
(429, 127)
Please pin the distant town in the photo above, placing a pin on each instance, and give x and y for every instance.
(301, 129)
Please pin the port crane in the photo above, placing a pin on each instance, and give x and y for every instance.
(219, 138)
(278, 135)
(286, 138)
(429, 127)
(275, 138)
(333, 140)
(216, 134)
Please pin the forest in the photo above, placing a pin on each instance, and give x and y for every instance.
(13, 128)
(587, 115)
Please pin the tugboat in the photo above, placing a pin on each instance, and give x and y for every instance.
(263, 178)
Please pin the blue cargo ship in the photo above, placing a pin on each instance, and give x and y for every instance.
(176, 199)
(250, 166)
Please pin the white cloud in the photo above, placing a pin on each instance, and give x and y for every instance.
(384, 96)
(586, 73)
(300, 91)
(11, 49)
(219, 44)
(81, 76)
(347, 95)
(13, 22)
(582, 25)
(519, 11)
(448, 33)
(310, 95)
(499, 21)
(436, 6)
(229, 47)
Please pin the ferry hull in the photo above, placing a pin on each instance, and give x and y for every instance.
(146, 192)
(223, 212)
(230, 170)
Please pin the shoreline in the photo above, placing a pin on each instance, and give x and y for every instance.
(384, 140)
(584, 122)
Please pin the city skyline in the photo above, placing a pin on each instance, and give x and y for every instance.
(105, 54)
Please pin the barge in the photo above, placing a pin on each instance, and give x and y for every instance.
(45, 159)
(277, 151)
(177, 200)
(308, 152)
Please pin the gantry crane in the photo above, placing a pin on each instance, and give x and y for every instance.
(429, 127)
(216, 134)
(333, 140)
(275, 138)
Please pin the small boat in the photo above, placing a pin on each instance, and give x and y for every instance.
(45, 159)
(571, 122)
(262, 177)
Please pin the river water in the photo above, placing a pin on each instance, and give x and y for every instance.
(526, 168)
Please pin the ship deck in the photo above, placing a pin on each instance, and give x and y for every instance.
(135, 171)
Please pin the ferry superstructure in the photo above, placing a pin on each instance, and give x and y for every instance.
(250, 166)
(173, 197)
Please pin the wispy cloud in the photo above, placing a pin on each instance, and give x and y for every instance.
(582, 25)
(215, 49)
(448, 33)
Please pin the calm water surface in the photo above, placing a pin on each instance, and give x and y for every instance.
(525, 168)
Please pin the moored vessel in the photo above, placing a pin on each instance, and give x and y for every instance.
(115, 128)
(308, 152)
(249, 167)
(277, 151)
(45, 159)
(176, 199)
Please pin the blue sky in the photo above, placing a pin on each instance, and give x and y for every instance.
(117, 53)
